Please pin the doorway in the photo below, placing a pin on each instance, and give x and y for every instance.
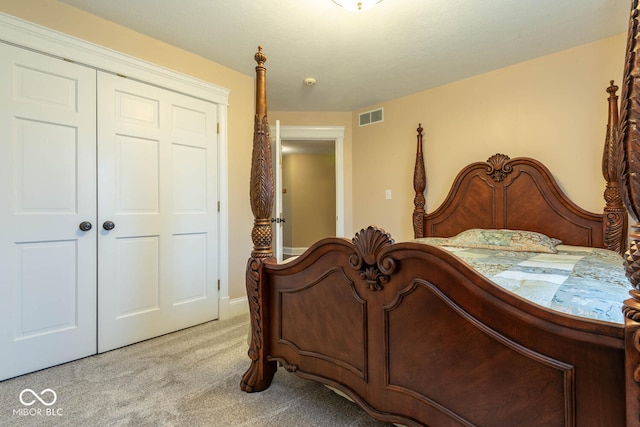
(308, 193)
(309, 139)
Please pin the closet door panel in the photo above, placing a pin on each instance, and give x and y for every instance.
(157, 156)
(47, 189)
(137, 284)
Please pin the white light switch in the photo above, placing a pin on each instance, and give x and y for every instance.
(387, 194)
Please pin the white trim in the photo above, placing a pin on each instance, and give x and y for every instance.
(230, 308)
(278, 227)
(44, 40)
(26, 34)
(335, 133)
(223, 215)
(293, 251)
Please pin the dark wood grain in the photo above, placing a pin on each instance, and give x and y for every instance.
(518, 194)
(438, 344)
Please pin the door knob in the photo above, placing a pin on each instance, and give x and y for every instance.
(85, 226)
(108, 225)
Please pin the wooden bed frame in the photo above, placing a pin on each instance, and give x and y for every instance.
(416, 337)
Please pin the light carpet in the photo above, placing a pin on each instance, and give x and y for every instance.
(187, 378)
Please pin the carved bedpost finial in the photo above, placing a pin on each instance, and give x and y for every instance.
(261, 191)
(419, 184)
(612, 89)
(615, 214)
(260, 57)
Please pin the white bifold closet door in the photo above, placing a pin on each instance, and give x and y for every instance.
(158, 218)
(81, 150)
(47, 189)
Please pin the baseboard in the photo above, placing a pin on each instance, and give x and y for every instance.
(230, 308)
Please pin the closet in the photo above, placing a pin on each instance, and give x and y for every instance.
(109, 210)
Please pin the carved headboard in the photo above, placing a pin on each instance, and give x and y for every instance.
(518, 194)
(521, 193)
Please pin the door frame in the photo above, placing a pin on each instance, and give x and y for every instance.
(21, 33)
(333, 133)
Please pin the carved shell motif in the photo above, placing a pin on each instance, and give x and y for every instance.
(498, 167)
(368, 244)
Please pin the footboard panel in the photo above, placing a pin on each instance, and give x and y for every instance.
(469, 353)
(416, 337)
(327, 303)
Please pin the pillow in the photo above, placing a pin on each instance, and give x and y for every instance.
(512, 240)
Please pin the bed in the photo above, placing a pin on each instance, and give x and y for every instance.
(415, 336)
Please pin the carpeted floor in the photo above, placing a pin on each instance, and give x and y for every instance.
(187, 378)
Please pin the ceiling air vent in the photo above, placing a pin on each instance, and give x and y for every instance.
(371, 117)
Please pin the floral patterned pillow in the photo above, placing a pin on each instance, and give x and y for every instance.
(513, 240)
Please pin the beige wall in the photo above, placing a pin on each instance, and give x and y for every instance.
(552, 108)
(61, 17)
(310, 201)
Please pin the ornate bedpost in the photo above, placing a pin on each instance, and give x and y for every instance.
(419, 184)
(615, 214)
(259, 375)
(629, 175)
(261, 170)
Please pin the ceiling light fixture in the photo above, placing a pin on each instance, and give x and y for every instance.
(357, 5)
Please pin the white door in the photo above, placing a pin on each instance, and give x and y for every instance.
(157, 180)
(277, 204)
(47, 189)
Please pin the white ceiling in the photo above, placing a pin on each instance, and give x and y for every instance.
(359, 60)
